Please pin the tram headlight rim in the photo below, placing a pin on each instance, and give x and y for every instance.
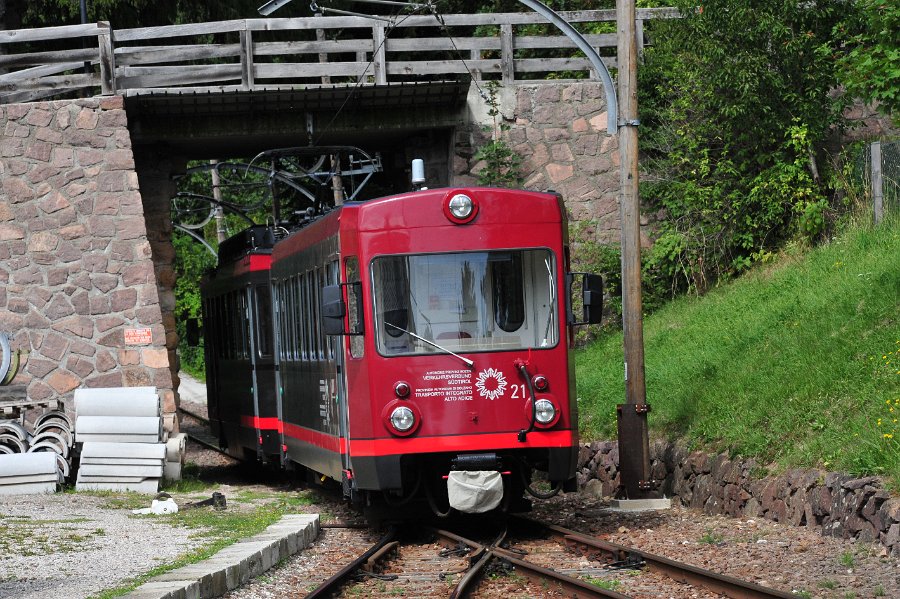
(403, 419)
(460, 207)
(544, 412)
(395, 406)
(531, 415)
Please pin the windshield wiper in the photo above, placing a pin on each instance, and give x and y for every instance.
(467, 361)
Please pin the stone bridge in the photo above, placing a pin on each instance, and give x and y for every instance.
(86, 255)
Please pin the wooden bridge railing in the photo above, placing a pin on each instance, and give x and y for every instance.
(290, 53)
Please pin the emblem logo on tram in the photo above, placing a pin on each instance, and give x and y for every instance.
(491, 384)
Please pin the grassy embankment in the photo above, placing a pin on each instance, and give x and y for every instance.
(796, 363)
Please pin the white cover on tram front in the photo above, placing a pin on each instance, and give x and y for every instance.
(474, 492)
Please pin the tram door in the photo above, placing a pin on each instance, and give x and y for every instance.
(354, 318)
(335, 348)
(265, 412)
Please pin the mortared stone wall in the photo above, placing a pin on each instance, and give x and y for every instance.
(78, 289)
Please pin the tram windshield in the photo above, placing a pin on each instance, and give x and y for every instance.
(465, 302)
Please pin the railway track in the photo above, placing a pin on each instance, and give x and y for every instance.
(540, 559)
(195, 434)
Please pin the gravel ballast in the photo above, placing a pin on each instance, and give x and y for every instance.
(68, 546)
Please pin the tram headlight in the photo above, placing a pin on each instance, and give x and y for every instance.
(460, 208)
(544, 412)
(403, 419)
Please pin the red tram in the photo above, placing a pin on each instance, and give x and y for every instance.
(240, 359)
(422, 348)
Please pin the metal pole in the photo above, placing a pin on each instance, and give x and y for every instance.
(221, 233)
(877, 182)
(634, 446)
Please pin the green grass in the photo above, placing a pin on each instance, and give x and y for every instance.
(190, 481)
(797, 362)
(711, 537)
(218, 529)
(608, 584)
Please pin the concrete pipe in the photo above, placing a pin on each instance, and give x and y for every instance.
(117, 401)
(49, 438)
(61, 460)
(53, 416)
(53, 427)
(13, 442)
(14, 428)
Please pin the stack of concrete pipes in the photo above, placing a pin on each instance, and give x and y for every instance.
(123, 445)
(20, 471)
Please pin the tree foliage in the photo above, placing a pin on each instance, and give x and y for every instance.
(871, 68)
(738, 101)
(121, 13)
(501, 165)
(191, 261)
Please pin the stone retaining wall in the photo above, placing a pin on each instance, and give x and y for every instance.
(76, 266)
(839, 505)
(559, 130)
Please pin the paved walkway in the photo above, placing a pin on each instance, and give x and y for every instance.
(191, 389)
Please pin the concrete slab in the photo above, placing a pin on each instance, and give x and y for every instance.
(28, 489)
(154, 451)
(117, 401)
(233, 565)
(639, 505)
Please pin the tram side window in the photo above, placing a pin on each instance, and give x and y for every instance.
(263, 321)
(278, 324)
(222, 303)
(303, 311)
(354, 307)
(331, 278)
(229, 318)
(296, 311)
(310, 314)
(317, 319)
(240, 320)
(508, 291)
(395, 295)
(285, 343)
(235, 315)
(244, 320)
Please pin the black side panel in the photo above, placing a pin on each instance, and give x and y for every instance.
(377, 472)
(563, 462)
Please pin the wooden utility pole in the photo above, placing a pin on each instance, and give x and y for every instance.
(634, 446)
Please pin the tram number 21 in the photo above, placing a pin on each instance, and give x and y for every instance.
(519, 391)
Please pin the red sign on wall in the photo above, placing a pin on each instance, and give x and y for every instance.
(142, 336)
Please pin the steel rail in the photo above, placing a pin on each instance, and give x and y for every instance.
(208, 445)
(572, 587)
(193, 415)
(333, 584)
(483, 556)
(722, 584)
